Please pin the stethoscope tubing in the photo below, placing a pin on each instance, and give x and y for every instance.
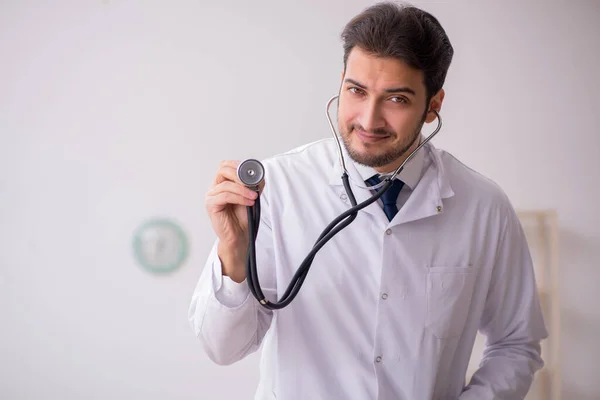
(339, 223)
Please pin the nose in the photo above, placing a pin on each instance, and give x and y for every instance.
(371, 117)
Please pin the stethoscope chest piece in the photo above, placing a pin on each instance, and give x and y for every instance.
(251, 172)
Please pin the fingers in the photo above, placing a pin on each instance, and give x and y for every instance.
(218, 201)
(228, 172)
(233, 188)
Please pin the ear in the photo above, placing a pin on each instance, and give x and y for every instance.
(435, 104)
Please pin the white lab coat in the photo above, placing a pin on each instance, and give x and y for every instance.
(389, 310)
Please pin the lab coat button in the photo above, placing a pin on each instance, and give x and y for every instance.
(384, 296)
(388, 232)
(378, 359)
(344, 197)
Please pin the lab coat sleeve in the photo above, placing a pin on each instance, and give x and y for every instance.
(226, 318)
(512, 321)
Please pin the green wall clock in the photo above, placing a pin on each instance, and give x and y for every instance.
(160, 245)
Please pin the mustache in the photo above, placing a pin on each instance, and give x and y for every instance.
(379, 131)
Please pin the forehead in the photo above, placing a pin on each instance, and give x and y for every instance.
(379, 73)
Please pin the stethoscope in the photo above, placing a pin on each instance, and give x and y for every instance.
(251, 173)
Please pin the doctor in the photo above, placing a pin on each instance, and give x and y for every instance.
(392, 304)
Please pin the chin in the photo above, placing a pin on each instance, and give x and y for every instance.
(379, 146)
(366, 155)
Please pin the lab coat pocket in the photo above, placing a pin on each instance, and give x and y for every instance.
(449, 292)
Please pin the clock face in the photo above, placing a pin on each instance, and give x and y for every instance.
(160, 245)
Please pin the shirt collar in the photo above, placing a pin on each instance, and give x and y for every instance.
(410, 174)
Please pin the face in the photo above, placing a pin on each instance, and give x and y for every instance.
(381, 109)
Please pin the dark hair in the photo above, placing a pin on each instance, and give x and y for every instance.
(404, 32)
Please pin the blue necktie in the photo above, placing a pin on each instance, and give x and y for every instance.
(389, 197)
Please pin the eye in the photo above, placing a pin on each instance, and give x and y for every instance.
(355, 90)
(399, 100)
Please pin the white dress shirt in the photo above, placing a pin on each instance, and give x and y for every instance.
(389, 309)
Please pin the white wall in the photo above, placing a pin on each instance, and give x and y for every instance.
(115, 111)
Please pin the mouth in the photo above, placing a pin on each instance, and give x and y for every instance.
(369, 138)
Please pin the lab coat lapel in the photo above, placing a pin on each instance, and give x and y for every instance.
(427, 198)
(425, 201)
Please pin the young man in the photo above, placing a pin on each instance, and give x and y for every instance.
(392, 304)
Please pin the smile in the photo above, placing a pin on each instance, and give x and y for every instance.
(365, 137)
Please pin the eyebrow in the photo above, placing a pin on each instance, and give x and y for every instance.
(403, 89)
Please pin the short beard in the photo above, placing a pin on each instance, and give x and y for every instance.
(380, 160)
